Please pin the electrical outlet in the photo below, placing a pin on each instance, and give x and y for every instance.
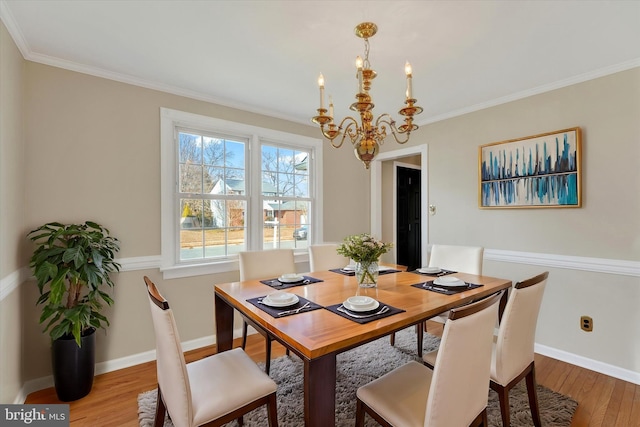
(586, 323)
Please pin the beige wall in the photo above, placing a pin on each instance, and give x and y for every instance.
(12, 225)
(94, 150)
(607, 226)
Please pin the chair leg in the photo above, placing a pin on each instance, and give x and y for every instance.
(244, 334)
(267, 364)
(503, 395)
(272, 411)
(481, 420)
(392, 339)
(359, 413)
(533, 396)
(240, 421)
(160, 410)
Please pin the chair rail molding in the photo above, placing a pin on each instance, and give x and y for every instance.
(596, 265)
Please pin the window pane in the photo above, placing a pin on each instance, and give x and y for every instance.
(190, 178)
(190, 148)
(301, 185)
(213, 151)
(234, 157)
(191, 229)
(211, 228)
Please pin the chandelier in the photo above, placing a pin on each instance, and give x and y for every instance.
(367, 135)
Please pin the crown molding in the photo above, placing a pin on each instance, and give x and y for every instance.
(580, 78)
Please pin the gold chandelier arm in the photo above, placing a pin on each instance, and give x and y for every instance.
(386, 121)
(351, 130)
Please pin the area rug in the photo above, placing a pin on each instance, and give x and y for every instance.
(362, 365)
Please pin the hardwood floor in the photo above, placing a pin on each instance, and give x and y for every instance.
(602, 400)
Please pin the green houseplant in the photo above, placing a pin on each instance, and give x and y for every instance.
(72, 265)
(365, 250)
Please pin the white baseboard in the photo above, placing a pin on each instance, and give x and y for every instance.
(593, 365)
(116, 364)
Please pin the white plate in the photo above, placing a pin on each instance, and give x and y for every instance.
(383, 268)
(449, 281)
(360, 303)
(280, 299)
(429, 270)
(290, 278)
(350, 267)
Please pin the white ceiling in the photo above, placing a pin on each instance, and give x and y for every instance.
(265, 56)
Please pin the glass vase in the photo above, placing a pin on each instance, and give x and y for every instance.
(367, 274)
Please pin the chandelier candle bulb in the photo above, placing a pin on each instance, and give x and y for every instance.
(330, 106)
(359, 67)
(407, 70)
(321, 84)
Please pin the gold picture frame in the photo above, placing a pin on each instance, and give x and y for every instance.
(539, 171)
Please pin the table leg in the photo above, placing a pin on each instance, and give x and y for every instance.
(224, 324)
(320, 391)
(503, 304)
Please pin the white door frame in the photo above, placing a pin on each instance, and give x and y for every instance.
(376, 191)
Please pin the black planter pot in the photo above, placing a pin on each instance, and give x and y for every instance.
(73, 366)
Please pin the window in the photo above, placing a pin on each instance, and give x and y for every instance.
(229, 187)
(285, 196)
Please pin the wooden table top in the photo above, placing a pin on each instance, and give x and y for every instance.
(316, 333)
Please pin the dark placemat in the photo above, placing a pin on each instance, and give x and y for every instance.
(392, 310)
(429, 286)
(275, 311)
(353, 273)
(442, 273)
(276, 284)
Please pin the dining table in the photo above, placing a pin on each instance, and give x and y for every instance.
(318, 335)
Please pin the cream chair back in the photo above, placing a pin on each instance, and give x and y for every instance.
(459, 388)
(266, 264)
(516, 336)
(464, 259)
(173, 379)
(325, 257)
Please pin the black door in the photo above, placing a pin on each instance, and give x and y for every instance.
(408, 226)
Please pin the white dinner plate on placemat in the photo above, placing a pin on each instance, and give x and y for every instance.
(291, 278)
(360, 303)
(280, 299)
(429, 270)
(449, 281)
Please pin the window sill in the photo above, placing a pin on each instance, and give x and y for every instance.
(190, 270)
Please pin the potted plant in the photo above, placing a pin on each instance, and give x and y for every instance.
(72, 265)
(365, 250)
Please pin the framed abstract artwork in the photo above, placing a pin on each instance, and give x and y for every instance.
(540, 171)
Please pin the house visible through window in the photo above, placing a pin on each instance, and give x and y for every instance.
(213, 196)
(285, 197)
(229, 187)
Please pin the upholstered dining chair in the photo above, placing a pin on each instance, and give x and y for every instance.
(264, 265)
(513, 355)
(325, 257)
(454, 393)
(211, 391)
(463, 259)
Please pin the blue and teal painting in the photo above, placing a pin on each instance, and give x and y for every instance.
(540, 171)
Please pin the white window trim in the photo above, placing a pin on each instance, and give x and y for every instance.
(169, 120)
